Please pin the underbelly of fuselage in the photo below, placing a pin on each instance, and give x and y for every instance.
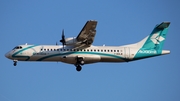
(110, 59)
(72, 59)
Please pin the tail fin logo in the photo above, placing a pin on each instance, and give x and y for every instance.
(156, 39)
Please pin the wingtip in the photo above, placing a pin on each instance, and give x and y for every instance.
(93, 20)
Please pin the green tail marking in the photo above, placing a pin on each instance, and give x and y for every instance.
(157, 37)
(152, 46)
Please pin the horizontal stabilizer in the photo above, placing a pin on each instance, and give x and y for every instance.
(165, 52)
(163, 25)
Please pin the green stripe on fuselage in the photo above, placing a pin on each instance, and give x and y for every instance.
(24, 49)
(141, 54)
(93, 53)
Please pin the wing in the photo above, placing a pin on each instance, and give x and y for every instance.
(87, 34)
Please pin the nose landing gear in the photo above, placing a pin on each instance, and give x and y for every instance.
(15, 62)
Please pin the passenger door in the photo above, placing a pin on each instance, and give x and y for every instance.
(126, 52)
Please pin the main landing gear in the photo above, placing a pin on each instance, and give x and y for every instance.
(78, 64)
(78, 68)
(15, 62)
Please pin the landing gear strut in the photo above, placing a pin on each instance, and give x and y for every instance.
(79, 62)
(15, 62)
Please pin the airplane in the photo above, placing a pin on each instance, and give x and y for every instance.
(80, 51)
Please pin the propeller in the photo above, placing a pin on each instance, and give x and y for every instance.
(63, 41)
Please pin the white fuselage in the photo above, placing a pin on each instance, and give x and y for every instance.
(69, 54)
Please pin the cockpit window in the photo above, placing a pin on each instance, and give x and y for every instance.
(17, 47)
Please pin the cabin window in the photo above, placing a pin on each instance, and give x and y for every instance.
(91, 50)
(101, 50)
(67, 49)
(54, 49)
(104, 50)
(64, 49)
(44, 49)
(117, 50)
(41, 49)
(47, 49)
(57, 49)
(114, 50)
(81, 50)
(51, 49)
(95, 50)
(107, 50)
(88, 50)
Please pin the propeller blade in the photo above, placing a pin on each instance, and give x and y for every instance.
(63, 41)
(62, 37)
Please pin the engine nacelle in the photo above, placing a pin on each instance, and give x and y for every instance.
(71, 41)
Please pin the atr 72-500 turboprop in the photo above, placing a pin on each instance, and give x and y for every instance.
(80, 51)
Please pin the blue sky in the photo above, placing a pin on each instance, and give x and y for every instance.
(119, 23)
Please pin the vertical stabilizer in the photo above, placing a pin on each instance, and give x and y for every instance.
(152, 45)
(157, 37)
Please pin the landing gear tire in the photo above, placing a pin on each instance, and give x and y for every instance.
(78, 68)
(15, 62)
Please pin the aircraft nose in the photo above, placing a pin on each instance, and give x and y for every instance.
(7, 55)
